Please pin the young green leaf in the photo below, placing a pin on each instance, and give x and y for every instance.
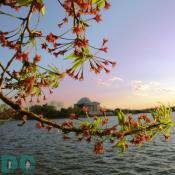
(24, 2)
(71, 56)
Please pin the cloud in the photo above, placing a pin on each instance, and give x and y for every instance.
(139, 85)
(104, 83)
(115, 78)
(110, 81)
(150, 88)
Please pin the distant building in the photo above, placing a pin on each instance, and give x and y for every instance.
(94, 107)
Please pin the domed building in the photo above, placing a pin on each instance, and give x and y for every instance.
(94, 107)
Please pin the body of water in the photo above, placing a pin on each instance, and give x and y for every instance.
(57, 157)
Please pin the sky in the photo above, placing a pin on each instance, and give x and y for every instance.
(141, 37)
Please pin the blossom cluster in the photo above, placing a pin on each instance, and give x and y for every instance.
(126, 132)
(31, 79)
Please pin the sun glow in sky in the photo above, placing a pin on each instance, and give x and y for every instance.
(141, 37)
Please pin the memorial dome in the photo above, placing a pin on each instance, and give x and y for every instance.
(84, 100)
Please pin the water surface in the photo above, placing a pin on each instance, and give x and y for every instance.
(57, 157)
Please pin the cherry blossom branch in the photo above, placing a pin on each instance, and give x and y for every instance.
(100, 133)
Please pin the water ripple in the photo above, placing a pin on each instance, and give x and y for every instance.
(57, 157)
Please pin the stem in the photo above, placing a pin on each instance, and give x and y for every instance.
(60, 3)
(6, 68)
(27, 19)
(10, 15)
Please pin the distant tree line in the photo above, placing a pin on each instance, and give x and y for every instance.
(53, 112)
(50, 111)
(134, 111)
